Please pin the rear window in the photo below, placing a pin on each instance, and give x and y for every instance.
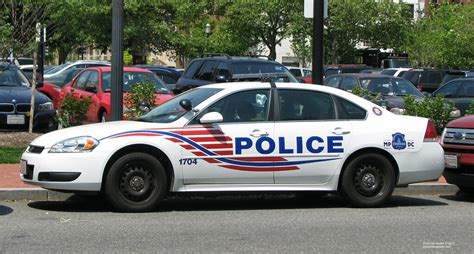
(388, 72)
(257, 67)
(192, 68)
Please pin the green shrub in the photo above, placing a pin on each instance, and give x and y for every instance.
(141, 93)
(470, 110)
(436, 108)
(366, 94)
(73, 111)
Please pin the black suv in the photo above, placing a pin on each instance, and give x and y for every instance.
(426, 80)
(225, 68)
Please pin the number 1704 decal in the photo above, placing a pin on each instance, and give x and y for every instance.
(187, 161)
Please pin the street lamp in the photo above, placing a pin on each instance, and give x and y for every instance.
(207, 30)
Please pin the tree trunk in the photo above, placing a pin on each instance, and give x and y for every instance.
(138, 58)
(63, 53)
(273, 53)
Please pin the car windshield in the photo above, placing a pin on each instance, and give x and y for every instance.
(171, 110)
(387, 86)
(12, 77)
(56, 69)
(131, 78)
(63, 78)
(263, 68)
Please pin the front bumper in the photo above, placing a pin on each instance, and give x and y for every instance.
(42, 119)
(64, 171)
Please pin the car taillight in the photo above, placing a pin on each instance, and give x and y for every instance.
(430, 133)
(419, 86)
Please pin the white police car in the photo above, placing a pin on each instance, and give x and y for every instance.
(241, 137)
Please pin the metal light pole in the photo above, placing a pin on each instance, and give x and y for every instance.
(318, 19)
(116, 106)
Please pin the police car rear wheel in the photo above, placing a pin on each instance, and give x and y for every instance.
(136, 183)
(368, 180)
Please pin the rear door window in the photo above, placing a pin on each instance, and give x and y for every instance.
(207, 70)
(332, 81)
(192, 69)
(449, 90)
(467, 89)
(348, 83)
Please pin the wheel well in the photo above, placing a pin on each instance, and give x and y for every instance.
(370, 150)
(157, 153)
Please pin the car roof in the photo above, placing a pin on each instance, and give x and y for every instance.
(158, 68)
(6, 64)
(109, 68)
(237, 59)
(363, 75)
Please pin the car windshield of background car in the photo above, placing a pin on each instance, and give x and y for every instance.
(12, 77)
(133, 78)
(171, 110)
(56, 69)
(388, 72)
(402, 87)
(263, 67)
(377, 85)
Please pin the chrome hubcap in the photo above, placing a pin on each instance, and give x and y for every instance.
(368, 180)
(137, 183)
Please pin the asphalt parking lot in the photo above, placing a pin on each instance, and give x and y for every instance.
(270, 222)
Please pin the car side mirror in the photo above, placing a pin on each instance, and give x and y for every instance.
(221, 79)
(211, 117)
(186, 104)
(39, 84)
(91, 89)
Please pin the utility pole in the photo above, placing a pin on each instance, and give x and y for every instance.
(41, 53)
(116, 106)
(33, 79)
(318, 19)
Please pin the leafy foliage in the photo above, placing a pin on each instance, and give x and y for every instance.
(366, 94)
(73, 112)
(470, 110)
(436, 108)
(444, 39)
(141, 94)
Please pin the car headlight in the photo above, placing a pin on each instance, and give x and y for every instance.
(46, 106)
(75, 145)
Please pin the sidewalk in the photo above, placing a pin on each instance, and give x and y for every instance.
(12, 188)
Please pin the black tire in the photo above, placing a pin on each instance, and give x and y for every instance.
(103, 117)
(136, 183)
(467, 190)
(368, 180)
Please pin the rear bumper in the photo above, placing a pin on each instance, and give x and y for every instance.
(460, 179)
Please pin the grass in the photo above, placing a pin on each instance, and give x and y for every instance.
(13, 144)
(10, 155)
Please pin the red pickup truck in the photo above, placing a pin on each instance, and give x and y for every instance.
(458, 145)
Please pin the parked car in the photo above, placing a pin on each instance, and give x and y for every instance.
(15, 101)
(225, 68)
(459, 91)
(299, 72)
(396, 72)
(426, 80)
(450, 75)
(392, 89)
(246, 136)
(458, 144)
(95, 82)
(169, 76)
(344, 68)
(81, 64)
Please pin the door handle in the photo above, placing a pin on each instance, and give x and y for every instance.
(340, 131)
(258, 133)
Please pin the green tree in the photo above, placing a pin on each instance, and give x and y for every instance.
(260, 21)
(444, 39)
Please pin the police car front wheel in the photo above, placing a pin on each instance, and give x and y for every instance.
(136, 182)
(368, 180)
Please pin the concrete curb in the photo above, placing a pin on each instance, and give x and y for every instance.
(38, 194)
